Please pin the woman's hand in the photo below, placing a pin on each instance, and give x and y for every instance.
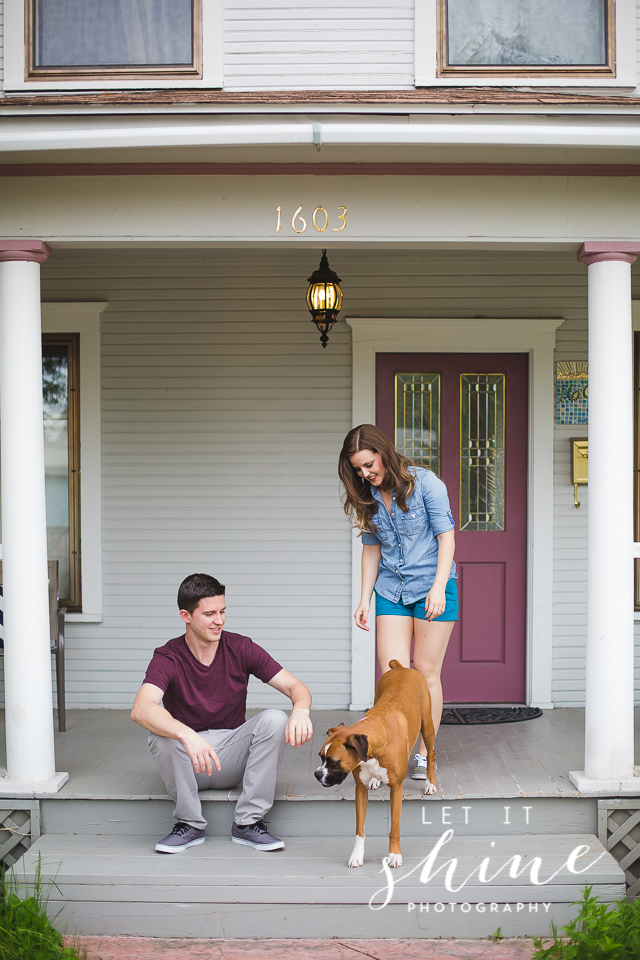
(361, 615)
(435, 603)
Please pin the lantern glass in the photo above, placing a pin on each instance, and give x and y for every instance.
(324, 296)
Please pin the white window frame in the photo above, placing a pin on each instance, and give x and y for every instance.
(426, 67)
(84, 319)
(15, 59)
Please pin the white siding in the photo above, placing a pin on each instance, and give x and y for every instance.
(222, 419)
(1, 44)
(570, 545)
(364, 44)
(635, 92)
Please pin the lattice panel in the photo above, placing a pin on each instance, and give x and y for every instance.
(19, 827)
(619, 832)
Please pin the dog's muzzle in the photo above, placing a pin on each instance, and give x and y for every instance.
(329, 778)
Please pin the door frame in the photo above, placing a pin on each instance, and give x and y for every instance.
(537, 338)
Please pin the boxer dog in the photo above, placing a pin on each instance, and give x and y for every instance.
(376, 750)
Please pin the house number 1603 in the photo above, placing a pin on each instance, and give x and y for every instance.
(319, 219)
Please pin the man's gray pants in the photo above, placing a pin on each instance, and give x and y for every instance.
(251, 753)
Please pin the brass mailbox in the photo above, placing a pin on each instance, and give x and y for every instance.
(579, 464)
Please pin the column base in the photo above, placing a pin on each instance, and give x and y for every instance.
(629, 787)
(29, 789)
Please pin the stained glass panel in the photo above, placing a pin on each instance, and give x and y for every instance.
(417, 419)
(482, 451)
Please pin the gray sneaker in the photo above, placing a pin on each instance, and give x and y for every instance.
(182, 836)
(255, 835)
(420, 769)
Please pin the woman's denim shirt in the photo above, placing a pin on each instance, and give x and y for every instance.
(408, 540)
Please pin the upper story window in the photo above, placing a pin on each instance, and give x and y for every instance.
(113, 38)
(526, 37)
(84, 45)
(538, 43)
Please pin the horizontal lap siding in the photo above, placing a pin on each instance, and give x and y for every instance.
(570, 541)
(635, 92)
(365, 44)
(221, 425)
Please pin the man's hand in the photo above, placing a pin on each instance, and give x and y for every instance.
(202, 754)
(299, 728)
(148, 711)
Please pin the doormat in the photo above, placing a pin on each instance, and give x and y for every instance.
(452, 716)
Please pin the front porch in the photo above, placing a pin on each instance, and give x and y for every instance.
(504, 791)
(107, 758)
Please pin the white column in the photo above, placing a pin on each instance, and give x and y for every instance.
(609, 696)
(27, 645)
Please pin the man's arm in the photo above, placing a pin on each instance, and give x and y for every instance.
(299, 728)
(148, 711)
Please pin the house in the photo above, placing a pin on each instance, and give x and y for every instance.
(168, 181)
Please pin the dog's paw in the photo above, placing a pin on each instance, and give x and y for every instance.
(374, 784)
(357, 854)
(394, 859)
(430, 788)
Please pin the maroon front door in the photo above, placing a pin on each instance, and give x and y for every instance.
(465, 417)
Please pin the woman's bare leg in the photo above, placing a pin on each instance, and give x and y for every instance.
(431, 640)
(393, 640)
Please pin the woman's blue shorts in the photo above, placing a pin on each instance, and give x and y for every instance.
(387, 608)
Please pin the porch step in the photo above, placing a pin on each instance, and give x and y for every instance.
(328, 817)
(108, 885)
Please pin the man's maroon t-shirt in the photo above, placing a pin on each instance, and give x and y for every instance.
(213, 697)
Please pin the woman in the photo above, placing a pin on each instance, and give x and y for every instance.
(407, 557)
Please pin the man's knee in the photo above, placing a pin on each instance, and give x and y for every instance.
(272, 720)
(166, 748)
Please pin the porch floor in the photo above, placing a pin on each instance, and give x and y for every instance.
(107, 757)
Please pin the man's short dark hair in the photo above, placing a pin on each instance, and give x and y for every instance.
(195, 588)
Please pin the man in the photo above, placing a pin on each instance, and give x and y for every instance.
(193, 702)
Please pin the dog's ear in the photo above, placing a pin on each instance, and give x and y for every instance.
(333, 729)
(358, 742)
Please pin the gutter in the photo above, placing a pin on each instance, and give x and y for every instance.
(65, 134)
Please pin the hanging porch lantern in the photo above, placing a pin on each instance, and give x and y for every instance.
(324, 298)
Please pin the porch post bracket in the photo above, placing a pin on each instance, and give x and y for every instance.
(27, 657)
(609, 692)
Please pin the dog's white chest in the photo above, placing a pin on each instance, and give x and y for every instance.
(372, 774)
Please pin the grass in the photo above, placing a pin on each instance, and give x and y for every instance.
(601, 931)
(26, 932)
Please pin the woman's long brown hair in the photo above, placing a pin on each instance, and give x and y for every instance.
(358, 501)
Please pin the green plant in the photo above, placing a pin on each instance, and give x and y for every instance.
(497, 935)
(601, 931)
(26, 932)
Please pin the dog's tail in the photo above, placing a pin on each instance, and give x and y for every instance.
(395, 665)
